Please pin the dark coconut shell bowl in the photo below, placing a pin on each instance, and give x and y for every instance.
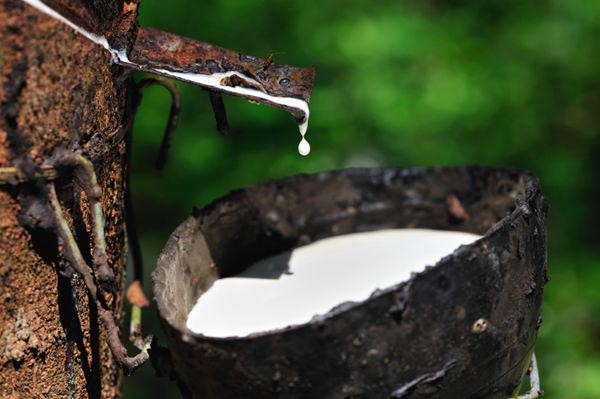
(463, 328)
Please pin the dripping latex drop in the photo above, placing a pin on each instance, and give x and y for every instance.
(303, 146)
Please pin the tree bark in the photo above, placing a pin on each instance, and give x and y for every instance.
(62, 90)
(58, 89)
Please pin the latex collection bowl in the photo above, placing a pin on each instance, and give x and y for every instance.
(464, 328)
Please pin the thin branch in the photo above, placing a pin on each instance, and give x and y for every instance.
(135, 292)
(173, 116)
(133, 242)
(84, 171)
(216, 100)
(534, 381)
(137, 298)
(13, 175)
(135, 295)
(74, 256)
(136, 336)
(69, 246)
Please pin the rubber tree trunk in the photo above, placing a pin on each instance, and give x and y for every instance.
(57, 89)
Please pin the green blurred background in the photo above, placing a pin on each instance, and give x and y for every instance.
(401, 83)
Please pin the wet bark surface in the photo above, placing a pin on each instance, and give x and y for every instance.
(57, 89)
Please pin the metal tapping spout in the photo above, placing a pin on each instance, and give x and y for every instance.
(213, 68)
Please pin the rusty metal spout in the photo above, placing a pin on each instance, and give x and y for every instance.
(162, 53)
(189, 60)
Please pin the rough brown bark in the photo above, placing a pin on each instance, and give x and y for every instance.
(57, 89)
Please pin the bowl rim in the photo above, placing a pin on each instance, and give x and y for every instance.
(531, 188)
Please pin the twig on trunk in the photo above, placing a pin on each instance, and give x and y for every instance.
(218, 107)
(83, 170)
(73, 254)
(135, 295)
(173, 115)
(13, 175)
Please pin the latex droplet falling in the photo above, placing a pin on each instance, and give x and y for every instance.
(304, 146)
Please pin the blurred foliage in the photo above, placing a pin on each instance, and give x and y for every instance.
(402, 83)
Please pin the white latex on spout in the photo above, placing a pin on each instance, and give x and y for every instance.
(211, 81)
